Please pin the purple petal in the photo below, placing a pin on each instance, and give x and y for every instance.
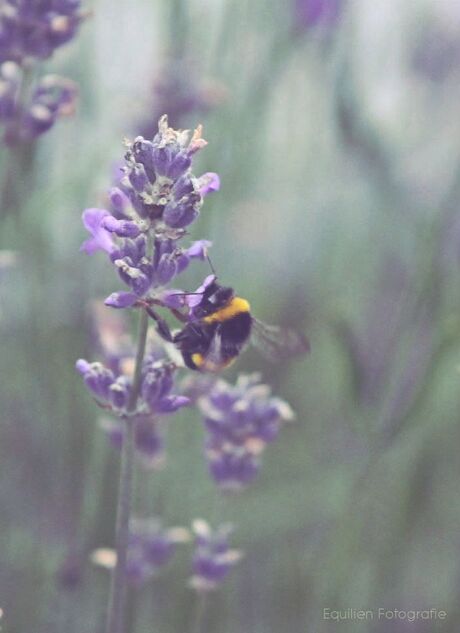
(121, 299)
(122, 228)
(101, 238)
(199, 249)
(166, 270)
(195, 299)
(173, 298)
(82, 366)
(208, 183)
(119, 200)
(171, 404)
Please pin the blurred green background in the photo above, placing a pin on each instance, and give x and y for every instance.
(338, 143)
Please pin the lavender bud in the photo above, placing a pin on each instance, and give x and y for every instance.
(179, 166)
(97, 378)
(119, 201)
(138, 178)
(171, 404)
(143, 153)
(121, 299)
(183, 187)
(162, 157)
(166, 269)
(122, 228)
(119, 392)
(157, 383)
(182, 214)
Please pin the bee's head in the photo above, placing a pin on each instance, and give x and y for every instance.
(214, 298)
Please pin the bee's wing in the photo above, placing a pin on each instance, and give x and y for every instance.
(213, 359)
(278, 343)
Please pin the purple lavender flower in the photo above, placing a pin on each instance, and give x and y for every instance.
(180, 90)
(213, 558)
(31, 31)
(110, 384)
(112, 388)
(152, 204)
(148, 213)
(52, 98)
(35, 29)
(240, 421)
(151, 547)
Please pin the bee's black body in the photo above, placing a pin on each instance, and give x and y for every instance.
(220, 326)
(219, 332)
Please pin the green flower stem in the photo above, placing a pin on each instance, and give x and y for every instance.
(200, 611)
(116, 611)
(19, 161)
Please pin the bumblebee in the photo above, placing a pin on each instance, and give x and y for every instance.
(221, 327)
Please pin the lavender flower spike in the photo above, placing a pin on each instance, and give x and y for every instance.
(155, 200)
(240, 422)
(36, 29)
(30, 31)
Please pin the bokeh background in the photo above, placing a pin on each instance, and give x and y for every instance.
(334, 126)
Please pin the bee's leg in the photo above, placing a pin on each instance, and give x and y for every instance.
(179, 315)
(162, 327)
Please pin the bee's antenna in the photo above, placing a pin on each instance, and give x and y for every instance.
(211, 266)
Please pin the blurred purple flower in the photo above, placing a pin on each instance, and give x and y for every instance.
(35, 29)
(52, 97)
(240, 421)
(180, 90)
(31, 31)
(213, 558)
(151, 547)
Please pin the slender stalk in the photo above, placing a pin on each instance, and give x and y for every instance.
(19, 162)
(200, 611)
(116, 611)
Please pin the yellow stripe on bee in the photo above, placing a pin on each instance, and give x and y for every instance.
(236, 306)
(197, 359)
(207, 365)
